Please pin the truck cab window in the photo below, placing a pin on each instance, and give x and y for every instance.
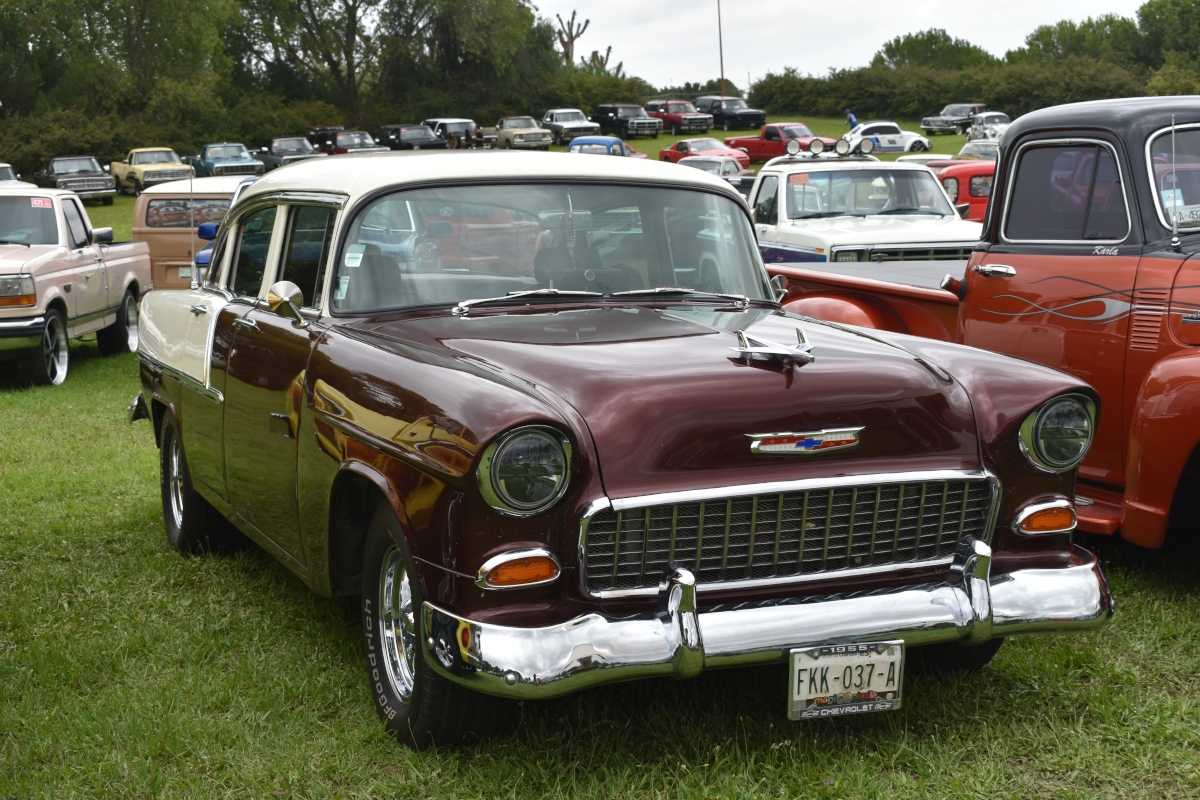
(766, 202)
(1067, 192)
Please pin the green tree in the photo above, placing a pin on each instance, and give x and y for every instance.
(932, 48)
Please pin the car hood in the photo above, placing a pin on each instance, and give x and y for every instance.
(883, 231)
(74, 176)
(670, 407)
(15, 258)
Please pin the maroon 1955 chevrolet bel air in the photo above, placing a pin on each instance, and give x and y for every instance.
(547, 418)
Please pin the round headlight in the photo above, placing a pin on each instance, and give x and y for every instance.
(793, 147)
(816, 146)
(866, 146)
(525, 471)
(1057, 436)
(842, 147)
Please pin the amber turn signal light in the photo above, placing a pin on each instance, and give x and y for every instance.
(19, 300)
(518, 569)
(1055, 517)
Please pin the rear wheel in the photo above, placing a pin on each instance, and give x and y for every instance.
(122, 335)
(418, 706)
(193, 525)
(47, 364)
(727, 125)
(674, 129)
(557, 139)
(917, 147)
(107, 200)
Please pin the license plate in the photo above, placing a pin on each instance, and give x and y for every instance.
(185, 272)
(834, 680)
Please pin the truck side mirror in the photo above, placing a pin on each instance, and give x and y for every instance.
(207, 231)
(102, 235)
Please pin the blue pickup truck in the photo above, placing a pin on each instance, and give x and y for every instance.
(225, 158)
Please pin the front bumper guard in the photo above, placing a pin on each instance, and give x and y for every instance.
(682, 641)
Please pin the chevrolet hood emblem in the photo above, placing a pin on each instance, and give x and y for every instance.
(782, 444)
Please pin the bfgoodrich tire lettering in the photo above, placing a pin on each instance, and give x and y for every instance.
(418, 706)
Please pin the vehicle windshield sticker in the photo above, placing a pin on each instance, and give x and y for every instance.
(41, 202)
(1172, 197)
(354, 255)
(799, 178)
(343, 284)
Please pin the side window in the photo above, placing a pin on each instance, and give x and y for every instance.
(888, 130)
(766, 201)
(76, 230)
(250, 259)
(682, 147)
(731, 168)
(308, 240)
(1068, 192)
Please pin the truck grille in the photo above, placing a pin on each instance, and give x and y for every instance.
(162, 175)
(696, 123)
(786, 535)
(645, 125)
(921, 253)
(85, 184)
(237, 169)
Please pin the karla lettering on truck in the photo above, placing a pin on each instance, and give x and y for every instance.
(1088, 264)
(545, 417)
(61, 279)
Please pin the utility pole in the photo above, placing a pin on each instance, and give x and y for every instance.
(721, 47)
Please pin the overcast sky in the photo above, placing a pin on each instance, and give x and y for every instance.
(670, 43)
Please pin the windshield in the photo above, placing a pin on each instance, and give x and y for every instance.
(796, 131)
(156, 157)
(986, 151)
(681, 108)
(700, 145)
(571, 116)
(420, 132)
(996, 119)
(459, 128)
(631, 112)
(28, 220)
(6, 174)
(733, 104)
(355, 139)
(296, 145)
(445, 245)
(226, 151)
(520, 122)
(864, 192)
(69, 166)
(956, 111)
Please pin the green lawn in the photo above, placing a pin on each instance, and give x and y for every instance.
(129, 671)
(118, 216)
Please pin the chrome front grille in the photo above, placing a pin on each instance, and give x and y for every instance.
(920, 253)
(788, 535)
(85, 184)
(238, 169)
(645, 125)
(162, 175)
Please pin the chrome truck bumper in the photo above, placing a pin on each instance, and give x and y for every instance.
(681, 641)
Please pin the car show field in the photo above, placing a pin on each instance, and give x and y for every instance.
(126, 670)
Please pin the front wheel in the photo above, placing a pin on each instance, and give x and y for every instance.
(558, 140)
(418, 706)
(674, 129)
(728, 127)
(960, 130)
(48, 363)
(122, 335)
(917, 147)
(508, 144)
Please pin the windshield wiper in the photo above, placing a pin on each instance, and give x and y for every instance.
(909, 211)
(739, 299)
(8, 241)
(464, 306)
(826, 214)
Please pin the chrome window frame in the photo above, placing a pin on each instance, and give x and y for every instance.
(1162, 217)
(1009, 185)
(783, 487)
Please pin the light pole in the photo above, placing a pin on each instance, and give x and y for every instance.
(721, 47)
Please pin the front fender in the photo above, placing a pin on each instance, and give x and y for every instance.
(1164, 433)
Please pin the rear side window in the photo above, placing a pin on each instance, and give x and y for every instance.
(175, 213)
(1067, 192)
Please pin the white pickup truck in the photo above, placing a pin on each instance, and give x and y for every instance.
(61, 279)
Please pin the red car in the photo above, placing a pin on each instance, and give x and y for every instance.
(969, 182)
(702, 147)
(772, 140)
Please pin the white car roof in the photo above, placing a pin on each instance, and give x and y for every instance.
(561, 110)
(826, 164)
(436, 120)
(361, 174)
(224, 184)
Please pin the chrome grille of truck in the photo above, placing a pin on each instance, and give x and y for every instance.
(85, 184)
(760, 537)
(238, 169)
(158, 176)
(644, 125)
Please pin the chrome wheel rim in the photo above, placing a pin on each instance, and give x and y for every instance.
(54, 350)
(175, 480)
(398, 623)
(131, 323)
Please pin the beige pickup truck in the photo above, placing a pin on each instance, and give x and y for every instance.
(147, 166)
(60, 279)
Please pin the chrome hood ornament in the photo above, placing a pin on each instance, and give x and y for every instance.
(755, 349)
(786, 444)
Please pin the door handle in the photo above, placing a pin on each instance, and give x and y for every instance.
(88, 275)
(995, 270)
(198, 310)
(246, 324)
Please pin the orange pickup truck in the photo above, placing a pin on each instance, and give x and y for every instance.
(1087, 264)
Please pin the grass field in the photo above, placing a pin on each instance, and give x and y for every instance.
(129, 671)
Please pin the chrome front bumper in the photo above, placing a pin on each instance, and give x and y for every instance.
(681, 641)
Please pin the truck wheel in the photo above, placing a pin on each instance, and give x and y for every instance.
(122, 335)
(137, 188)
(727, 125)
(674, 129)
(47, 364)
(929, 132)
(107, 200)
(193, 525)
(917, 147)
(418, 706)
(557, 139)
(960, 130)
(954, 657)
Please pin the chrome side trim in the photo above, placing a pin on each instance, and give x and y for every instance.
(1029, 510)
(187, 381)
(481, 577)
(680, 639)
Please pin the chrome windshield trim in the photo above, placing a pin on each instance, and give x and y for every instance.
(1162, 217)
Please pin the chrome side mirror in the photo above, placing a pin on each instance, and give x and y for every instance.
(779, 284)
(285, 299)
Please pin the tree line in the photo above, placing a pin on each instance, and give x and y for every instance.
(102, 76)
(1155, 53)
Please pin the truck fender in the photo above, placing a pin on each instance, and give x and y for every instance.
(858, 311)
(1163, 435)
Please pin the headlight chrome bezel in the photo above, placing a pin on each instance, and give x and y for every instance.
(494, 494)
(1029, 434)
